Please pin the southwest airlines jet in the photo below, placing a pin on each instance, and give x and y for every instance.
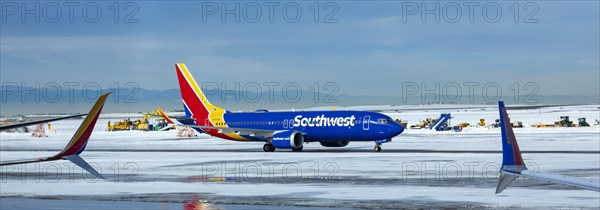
(513, 165)
(283, 130)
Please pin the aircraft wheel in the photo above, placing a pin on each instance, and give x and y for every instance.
(298, 149)
(377, 148)
(268, 148)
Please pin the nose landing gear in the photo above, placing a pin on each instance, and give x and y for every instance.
(377, 148)
(378, 144)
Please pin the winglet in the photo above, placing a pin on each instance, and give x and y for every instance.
(80, 138)
(81, 163)
(164, 115)
(512, 162)
(504, 181)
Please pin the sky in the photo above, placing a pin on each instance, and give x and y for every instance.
(363, 47)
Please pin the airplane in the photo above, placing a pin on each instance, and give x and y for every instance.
(513, 165)
(77, 143)
(283, 130)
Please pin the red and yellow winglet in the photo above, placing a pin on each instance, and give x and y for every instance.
(164, 115)
(77, 144)
(81, 137)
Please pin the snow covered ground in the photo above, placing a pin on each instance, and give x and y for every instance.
(419, 168)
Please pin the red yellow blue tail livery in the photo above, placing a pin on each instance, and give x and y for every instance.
(77, 144)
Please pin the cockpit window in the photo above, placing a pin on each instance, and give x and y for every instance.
(383, 120)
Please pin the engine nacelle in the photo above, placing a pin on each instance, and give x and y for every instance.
(288, 140)
(334, 143)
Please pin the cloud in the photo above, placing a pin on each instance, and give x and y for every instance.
(365, 52)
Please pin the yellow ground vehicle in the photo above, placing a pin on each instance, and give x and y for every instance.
(423, 124)
(517, 124)
(541, 125)
(120, 125)
(402, 122)
(145, 125)
(142, 124)
(481, 122)
(563, 122)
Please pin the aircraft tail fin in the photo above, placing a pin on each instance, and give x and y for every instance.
(195, 103)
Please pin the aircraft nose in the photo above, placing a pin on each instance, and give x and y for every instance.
(396, 128)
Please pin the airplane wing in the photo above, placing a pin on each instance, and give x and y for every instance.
(513, 165)
(239, 131)
(190, 122)
(15, 162)
(77, 143)
(175, 120)
(172, 119)
(16, 125)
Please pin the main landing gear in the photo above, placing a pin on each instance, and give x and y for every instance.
(268, 148)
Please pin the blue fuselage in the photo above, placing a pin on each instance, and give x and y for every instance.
(319, 125)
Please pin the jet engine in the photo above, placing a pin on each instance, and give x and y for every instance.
(288, 140)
